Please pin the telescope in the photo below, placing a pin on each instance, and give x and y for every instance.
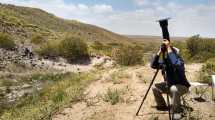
(164, 27)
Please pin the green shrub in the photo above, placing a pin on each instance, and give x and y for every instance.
(6, 41)
(37, 39)
(207, 70)
(98, 45)
(182, 46)
(200, 49)
(128, 55)
(114, 44)
(47, 77)
(59, 96)
(112, 96)
(193, 45)
(100, 48)
(48, 50)
(73, 49)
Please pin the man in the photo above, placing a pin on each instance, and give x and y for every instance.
(175, 77)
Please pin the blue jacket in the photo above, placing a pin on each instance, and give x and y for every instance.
(174, 67)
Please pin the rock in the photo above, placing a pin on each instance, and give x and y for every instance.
(62, 60)
(12, 88)
(26, 86)
(3, 88)
(3, 91)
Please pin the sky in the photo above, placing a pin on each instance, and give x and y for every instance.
(134, 17)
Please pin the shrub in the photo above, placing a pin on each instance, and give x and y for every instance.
(6, 41)
(37, 39)
(102, 48)
(200, 49)
(207, 70)
(112, 96)
(183, 49)
(98, 45)
(47, 77)
(49, 50)
(128, 55)
(193, 45)
(114, 44)
(73, 49)
(59, 96)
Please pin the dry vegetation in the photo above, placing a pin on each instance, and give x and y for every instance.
(6, 41)
(42, 104)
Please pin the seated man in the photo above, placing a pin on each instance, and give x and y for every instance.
(175, 77)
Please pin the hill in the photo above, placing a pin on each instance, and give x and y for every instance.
(23, 22)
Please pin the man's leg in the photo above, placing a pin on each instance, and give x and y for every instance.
(157, 91)
(176, 92)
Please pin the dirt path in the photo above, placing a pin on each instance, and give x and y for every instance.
(132, 84)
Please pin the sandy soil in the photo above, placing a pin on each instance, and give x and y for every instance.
(133, 82)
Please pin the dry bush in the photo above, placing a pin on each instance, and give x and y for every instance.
(73, 49)
(112, 96)
(200, 49)
(6, 41)
(37, 39)
(128, 55)
(207, 70)
(49, 50)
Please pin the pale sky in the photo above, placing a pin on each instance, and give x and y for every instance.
(135, 17)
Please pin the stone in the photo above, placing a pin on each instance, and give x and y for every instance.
(26, 86)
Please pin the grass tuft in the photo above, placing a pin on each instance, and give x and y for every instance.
(112, 96)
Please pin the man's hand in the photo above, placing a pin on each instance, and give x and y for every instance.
(159, 52)
(166, 44)
(169, 49)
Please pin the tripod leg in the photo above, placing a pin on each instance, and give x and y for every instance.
(169, 109)
(147, 92)
(168, 101)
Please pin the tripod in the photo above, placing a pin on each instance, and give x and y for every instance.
(164, 27)
(153, 79)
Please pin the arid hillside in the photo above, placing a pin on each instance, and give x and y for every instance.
(24, 22)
